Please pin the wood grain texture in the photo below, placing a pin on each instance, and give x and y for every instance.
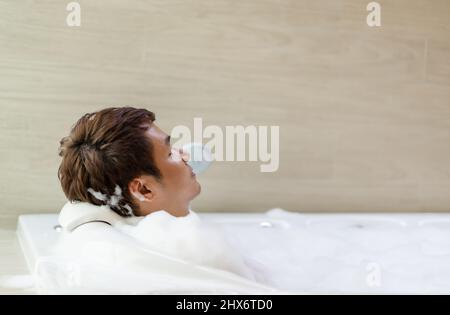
(364, 113)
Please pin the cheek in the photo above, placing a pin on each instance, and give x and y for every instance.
(176, 171)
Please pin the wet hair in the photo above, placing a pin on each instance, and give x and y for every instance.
(104, 151)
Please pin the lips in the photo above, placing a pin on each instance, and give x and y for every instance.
(192, 172)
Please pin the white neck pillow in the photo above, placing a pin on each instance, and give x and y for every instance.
(75, 214)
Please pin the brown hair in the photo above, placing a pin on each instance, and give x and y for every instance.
(104, 151)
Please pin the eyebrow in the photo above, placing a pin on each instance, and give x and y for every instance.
(168, 141)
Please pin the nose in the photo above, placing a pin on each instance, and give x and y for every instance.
(184, 155)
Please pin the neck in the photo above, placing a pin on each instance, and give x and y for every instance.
(175, 209)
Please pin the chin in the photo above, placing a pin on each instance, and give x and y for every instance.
(198, 189)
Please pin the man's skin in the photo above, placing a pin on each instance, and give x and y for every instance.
(178, 185)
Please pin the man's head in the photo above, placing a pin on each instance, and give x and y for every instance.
(119, 157)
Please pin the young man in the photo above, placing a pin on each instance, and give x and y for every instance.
(118, 168)
(119, 157)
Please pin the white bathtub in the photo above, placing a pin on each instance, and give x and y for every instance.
(317, 253)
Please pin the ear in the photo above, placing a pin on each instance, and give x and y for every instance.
(143, 188)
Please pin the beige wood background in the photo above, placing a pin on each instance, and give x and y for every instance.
(364, 113)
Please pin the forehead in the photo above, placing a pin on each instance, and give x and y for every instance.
(156, 135)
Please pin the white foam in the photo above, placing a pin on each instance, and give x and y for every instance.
(97, 195)
(348, 258)
(17, 281)
(321, 254)
(113, 200)
(189, 239)
(97, 258)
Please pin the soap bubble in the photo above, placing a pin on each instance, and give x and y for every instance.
(200, 157)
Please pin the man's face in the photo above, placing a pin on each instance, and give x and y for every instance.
(178, 185)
